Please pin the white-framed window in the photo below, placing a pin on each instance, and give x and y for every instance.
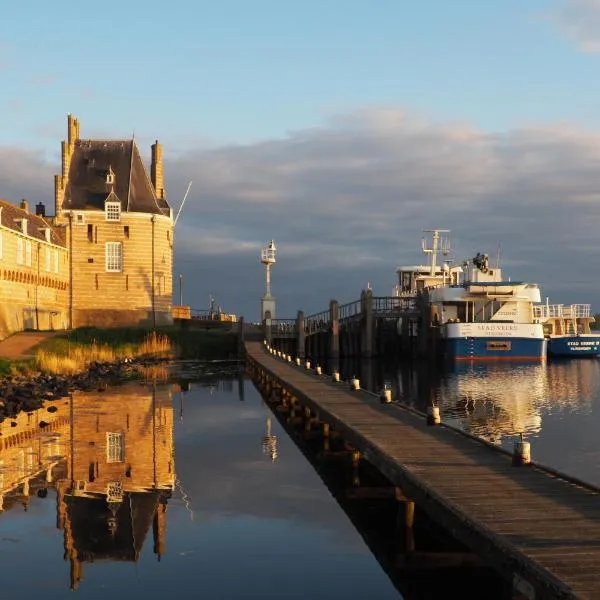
(56, 261)
(112, 211)
(115, 447)
(47, 260)
(79, 218)
(20, 251)
(28, 253)
(114, 257)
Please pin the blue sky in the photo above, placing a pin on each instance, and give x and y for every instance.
(244, 70)
(341, 129)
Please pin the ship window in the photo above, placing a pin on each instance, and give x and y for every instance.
(498, 345)
(90, 231)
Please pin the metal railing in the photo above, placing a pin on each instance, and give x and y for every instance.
(317, 322)
(350, 310)
(283, 326)
(562, 311)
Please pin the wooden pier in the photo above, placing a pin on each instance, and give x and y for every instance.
(539, 529)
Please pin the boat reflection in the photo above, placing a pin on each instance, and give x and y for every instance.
(493, 401)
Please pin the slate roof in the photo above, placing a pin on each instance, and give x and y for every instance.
(91, 536)
(11, 216)
(90, 163)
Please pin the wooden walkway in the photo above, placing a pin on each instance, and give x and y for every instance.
(541, 531)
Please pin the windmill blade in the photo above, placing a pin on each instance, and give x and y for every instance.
(182, 203)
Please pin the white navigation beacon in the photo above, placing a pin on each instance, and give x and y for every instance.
(268, 257)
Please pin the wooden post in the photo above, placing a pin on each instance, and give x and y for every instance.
(300, 335)
(366, 323)
(240, 337)
(334, 334)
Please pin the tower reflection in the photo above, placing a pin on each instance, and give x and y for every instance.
(120, 474)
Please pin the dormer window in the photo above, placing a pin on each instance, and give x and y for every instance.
(112, 211)
(23, 223)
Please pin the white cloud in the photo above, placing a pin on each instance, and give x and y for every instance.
(346, 203)
(580, 21)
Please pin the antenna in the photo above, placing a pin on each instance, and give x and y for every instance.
(182, 203)
(438, 244)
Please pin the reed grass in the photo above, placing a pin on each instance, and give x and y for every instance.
(74, 353)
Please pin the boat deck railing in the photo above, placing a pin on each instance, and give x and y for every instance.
(562, 311)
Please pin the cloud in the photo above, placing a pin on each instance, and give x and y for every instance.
(579, 20)
(346, 203)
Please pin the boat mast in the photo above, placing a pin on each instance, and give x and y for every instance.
(438, 244)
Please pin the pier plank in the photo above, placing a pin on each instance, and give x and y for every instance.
(533, 525)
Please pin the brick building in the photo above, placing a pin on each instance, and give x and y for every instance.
(34, 271)
(119, 231)
(106, 257)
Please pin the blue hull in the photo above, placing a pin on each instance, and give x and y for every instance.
(495, 348)
(579, 346)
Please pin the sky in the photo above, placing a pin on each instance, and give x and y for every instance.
(339, 129)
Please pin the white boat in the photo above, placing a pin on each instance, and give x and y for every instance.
(476, 314)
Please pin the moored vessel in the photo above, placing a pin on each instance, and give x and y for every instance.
(472, 311)
(567, 328)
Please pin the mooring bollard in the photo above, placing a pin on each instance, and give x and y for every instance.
(433, 415)
(289, 358)
(521, 452)
(386, 395)
(307, 364)
(355, 384)
(318, 370)
(298, 360)
(335, 376)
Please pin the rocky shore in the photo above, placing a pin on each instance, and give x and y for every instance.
(29, 392)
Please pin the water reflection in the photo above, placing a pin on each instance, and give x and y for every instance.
(557, 405)
(243, 500)
(119, 478)
(495, 401)
(110, 458)
(32, 452)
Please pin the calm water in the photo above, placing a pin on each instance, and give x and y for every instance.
(252, 513)
(556, 405)
(248, 518)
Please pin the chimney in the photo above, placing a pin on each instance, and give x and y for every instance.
(40, 209)
(24, 205)
(67, 148)
(156, 170)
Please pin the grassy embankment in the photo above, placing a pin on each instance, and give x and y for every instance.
(75, 350)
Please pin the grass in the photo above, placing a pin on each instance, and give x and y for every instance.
(12, 368)
(74, 351)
